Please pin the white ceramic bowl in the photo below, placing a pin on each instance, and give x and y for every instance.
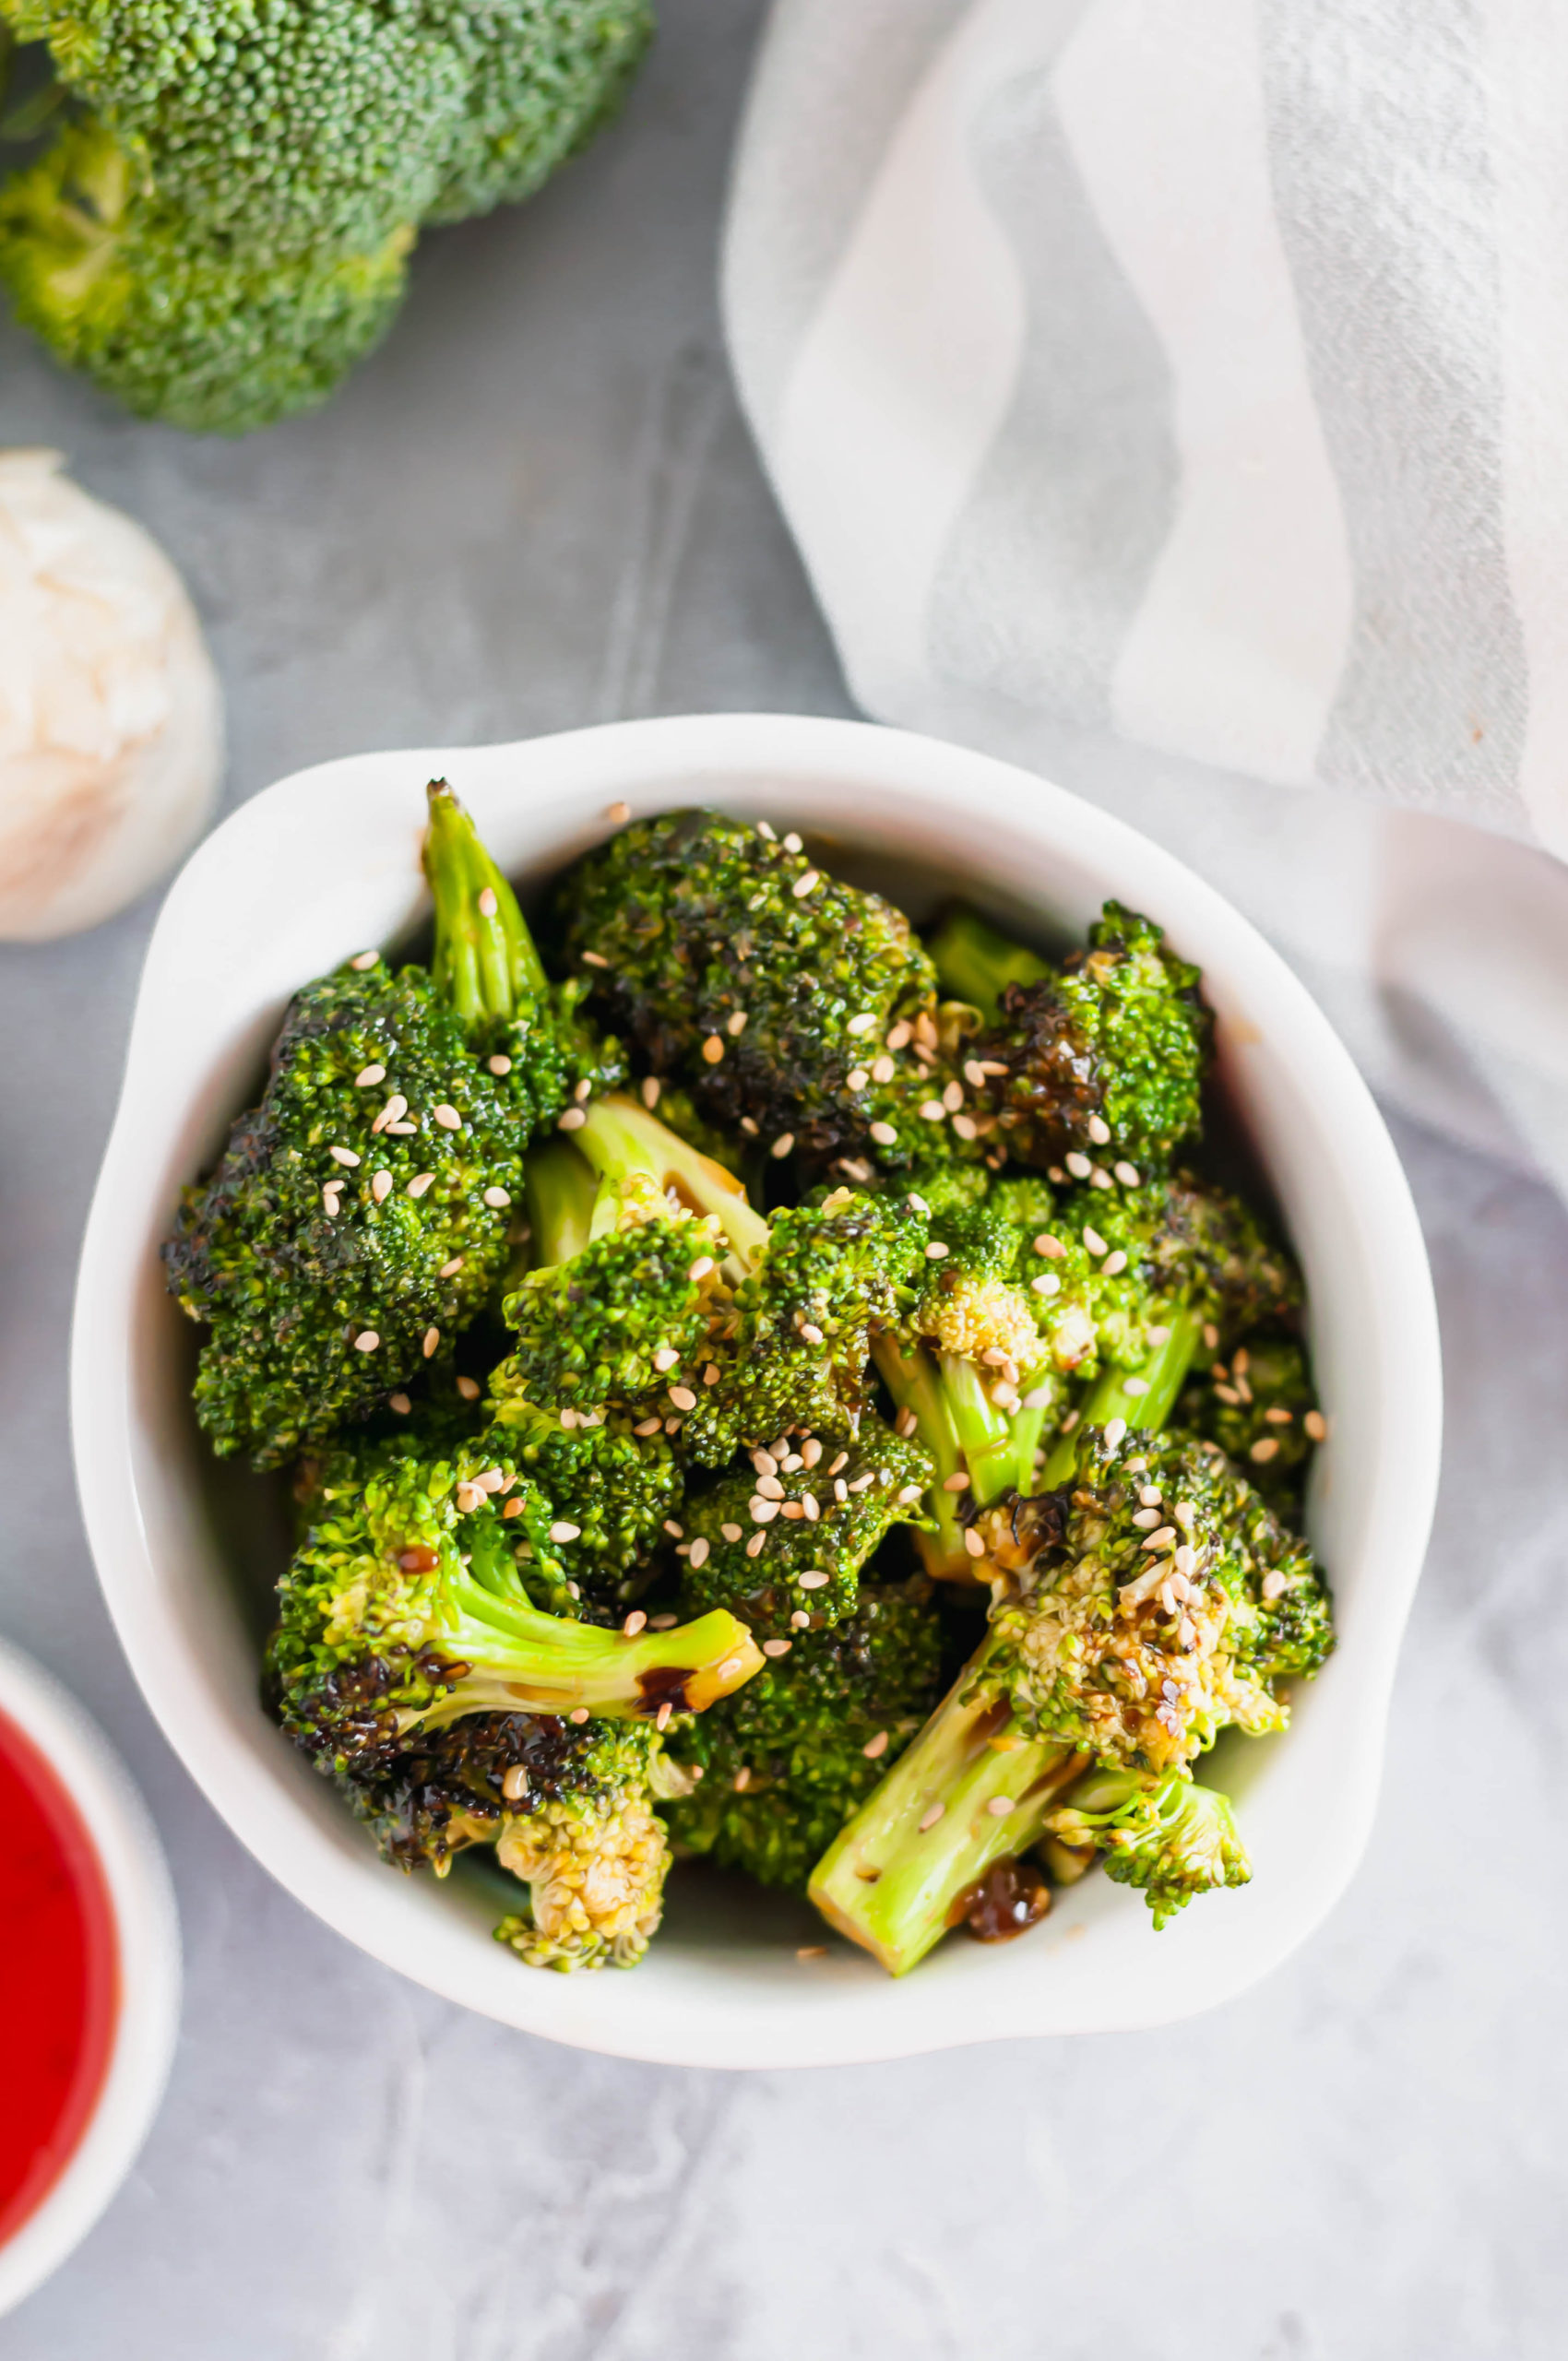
(148, 1974)
(327, 862)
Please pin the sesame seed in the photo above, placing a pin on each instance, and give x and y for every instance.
(468, 1497)
(1266, 1447)
(404, 1130)
(1135, 1385)
(469, 1388)
(1078, 1165)
(1070, 1421)
(1127, 1174)
(366, 1341)
(400, 1402)
(1115, 1430)
(381, 1187)
(973, 1543)
(1186, 1559)
(447, 1117)
(635, 1621)
(1229, 1396)
(999, 1807)
(1038, 1398)
(777, 1647)
(1099, 1131)
(618, 814)
(368, 1075)
(863, 1482)
(953, 1097)
(1146, 1518)
(1242, 1361)
(662, 1622)
(958, 1483)
(1100, 1178)
(811, 1333)
(792, 842)
(901, 1035)
(883, 1135)
(1049, 1246)
(572, 1119)
(582, 1091)
(806, 884)
(1278, 1417)
(682, 1397)
(1006, 1396)
(512, 1509)
(1211, 1337)
(562, 1531)
(595, 959)
(661, 1719)
(579, 1713)
(487, 902)
(568, 1417)
(499, 1063)
(496, 1198)
(763, 830)
(702, 1266)
(932, 1817)
(665, 1358)
(365, 959)
(431, 1338)
(857, 1078)
(1114, 1263)
(965, 1127)
(1273, 1585)
(936, 1251)
(782, 1145)
(933, 1110)
(650, 1090)
(672, 1529)
(1316, 1425)
(761, 1511)
(732, 1531)
(861, 1023)
(1094, 1241)
(736, 1024)
(841, 1491)
(343, 1155)
(699, 1551)
(1046, 1284)
(331, 1204)
(645, 1427)
(397, 1107)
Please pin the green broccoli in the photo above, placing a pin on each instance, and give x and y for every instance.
(359, 1217)
(1099, 1059)
(1166, 1836)
(1257, 1403)
(782, 1543)
(787, 1759)
(405, 1609)
(223, 228)
(1154, 1603)
(796, 1009)
(177, 323)
(619, 1490)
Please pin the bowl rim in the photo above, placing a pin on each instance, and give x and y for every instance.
(141, 1899)
(652, 765)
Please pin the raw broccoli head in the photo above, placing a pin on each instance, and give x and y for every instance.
(618, 1489)
(404, 1609)
(173, 321)
(1259, 1405)
(276, 126)
(782, 1543)
(797, 1009)
(328, 1279)
(787, 1759)
(1152, 1604)
(542, 78)
(1100, 1059)
(1167, 1836)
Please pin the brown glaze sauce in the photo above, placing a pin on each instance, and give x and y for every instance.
(1011, 1897)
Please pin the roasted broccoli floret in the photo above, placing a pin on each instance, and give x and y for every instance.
(405, 1609)
(787, 1759)
(1257, 1403)
(729, 1328)
(797, 1010)
(1099, 1059)
(172, 320)
(1156, 1602)
(1165, 1835)
(782, 1542)
(359, 1217)
(617, 1490)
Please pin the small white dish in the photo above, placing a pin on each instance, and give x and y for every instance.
(147, 2007)
(327, 862)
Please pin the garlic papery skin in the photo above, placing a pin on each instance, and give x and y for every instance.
(110, 715)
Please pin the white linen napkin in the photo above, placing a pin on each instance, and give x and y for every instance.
(1172, 395)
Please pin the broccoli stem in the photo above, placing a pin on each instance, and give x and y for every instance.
(485, 962)
(975, 963)
(559, 1189)
(1160, 1380)
(520, 1659)
(916, 1385)
(896, 1879)
(623, 1143)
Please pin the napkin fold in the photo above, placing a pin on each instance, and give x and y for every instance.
(1173, 395)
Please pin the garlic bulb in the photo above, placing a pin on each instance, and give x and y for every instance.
(111, 715)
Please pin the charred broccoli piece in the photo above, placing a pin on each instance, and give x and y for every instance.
(1156, 1602)
(1166, 1836)
(796, 1009)
(405, 1609)
(782, 1543)
(1259, 1405)
(786, 1761)
(359, 1217)
(1100, 1059)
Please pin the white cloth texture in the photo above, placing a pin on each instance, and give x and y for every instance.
(1170, 395)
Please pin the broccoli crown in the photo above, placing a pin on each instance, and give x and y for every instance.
(789, 1758)
(978, 1296)
(276, 126)
(358, 1217)
(1105, 1058)
(622, 1323)
(1156, 1602)
(542, 78)
(595, 1866)
(1260, 1407)
(1167, 1836)
(782, 1543)
(176, 322)
(618, 1489)
(794, 1354)
(404, 1607)
(792, 1005)
(454, 1786)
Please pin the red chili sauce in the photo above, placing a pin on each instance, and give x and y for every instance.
(58, 1978)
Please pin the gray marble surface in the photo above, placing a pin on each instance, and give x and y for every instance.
(538, 507)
